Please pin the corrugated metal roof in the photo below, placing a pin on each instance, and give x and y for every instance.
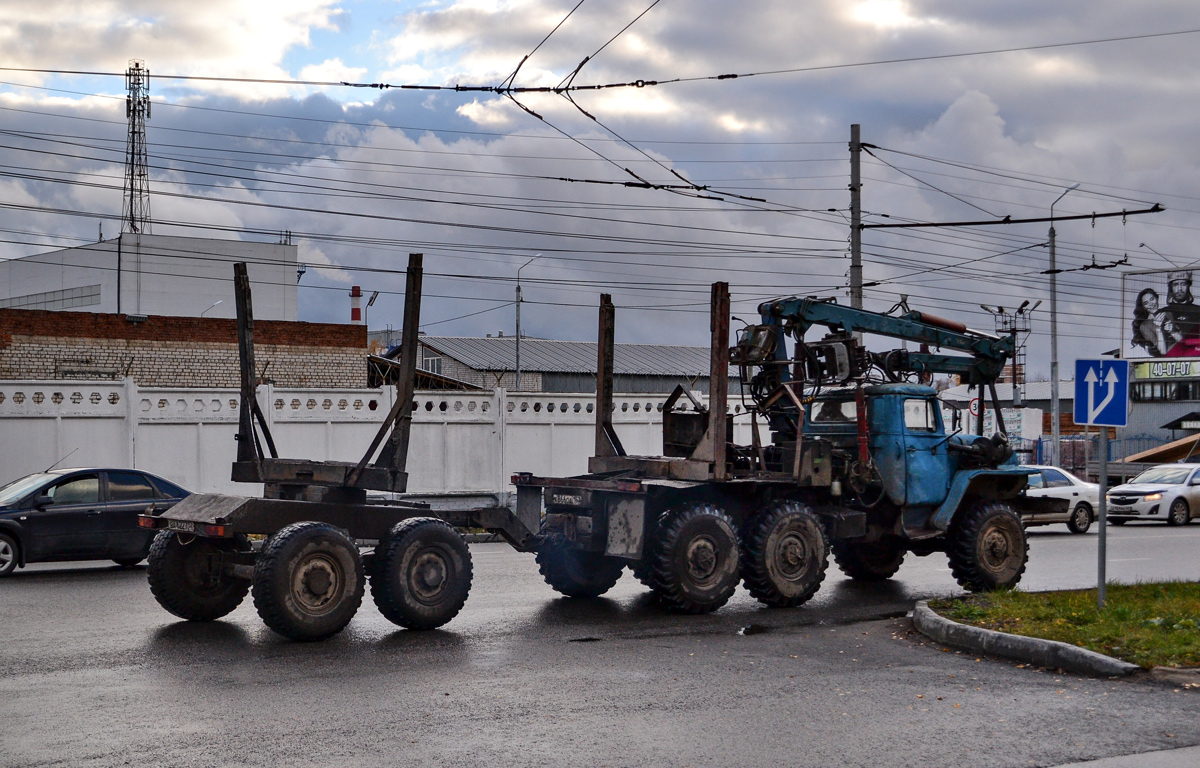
(550, 356)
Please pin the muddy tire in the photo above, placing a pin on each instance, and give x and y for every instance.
(696, 559)
(308, 581)
(183, 582)
(421, 573)
(1081, 518)
(987, 547)
(869, 561)
(785, 555)
(1178, 514)
(576, 573)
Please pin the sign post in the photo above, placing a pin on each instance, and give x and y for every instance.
(1102, 400)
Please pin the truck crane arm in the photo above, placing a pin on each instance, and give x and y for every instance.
(987, 352)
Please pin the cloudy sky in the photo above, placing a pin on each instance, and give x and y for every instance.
(749, 175)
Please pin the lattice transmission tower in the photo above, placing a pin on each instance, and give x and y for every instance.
(135, 213)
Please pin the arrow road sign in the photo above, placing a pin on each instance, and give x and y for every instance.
(1102, 392)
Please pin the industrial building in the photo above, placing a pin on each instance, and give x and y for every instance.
(142, 274)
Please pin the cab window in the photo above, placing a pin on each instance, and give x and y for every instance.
(835, 412)
(84, 489)
(1035, 480)
(920, 415)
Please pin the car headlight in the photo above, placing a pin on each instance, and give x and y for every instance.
(1153, 497)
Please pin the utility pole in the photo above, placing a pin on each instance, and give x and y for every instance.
(856, 281)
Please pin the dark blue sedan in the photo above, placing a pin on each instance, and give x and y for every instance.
(80, 514)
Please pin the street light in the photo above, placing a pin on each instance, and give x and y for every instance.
(214, 304)
(526, 264)
(1054, 405)
(370, 301)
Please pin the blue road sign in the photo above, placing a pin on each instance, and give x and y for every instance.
(1102, 392)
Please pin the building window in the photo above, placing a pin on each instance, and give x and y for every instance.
(1165, 391)
(432, 364)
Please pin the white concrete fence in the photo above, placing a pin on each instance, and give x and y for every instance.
(462, 442)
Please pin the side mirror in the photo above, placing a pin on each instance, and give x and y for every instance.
(42, 500)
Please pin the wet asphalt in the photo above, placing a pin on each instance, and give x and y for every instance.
(94, 673)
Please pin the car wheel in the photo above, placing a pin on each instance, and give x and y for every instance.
(1179, 514)
(8, 554)
(1081, 518)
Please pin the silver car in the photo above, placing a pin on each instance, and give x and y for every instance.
(1054, 483)
(1168, 492)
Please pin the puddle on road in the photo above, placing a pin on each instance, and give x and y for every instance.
(754, 629)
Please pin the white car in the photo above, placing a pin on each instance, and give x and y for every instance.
(1054, 483)
(1168, 492)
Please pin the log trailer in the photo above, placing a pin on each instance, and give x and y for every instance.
(309, 576)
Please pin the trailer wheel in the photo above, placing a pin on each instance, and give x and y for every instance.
(421, 573)
(696, 559)
(786, 554)
(869, 561)
(308, 581)
(987, 547)
(183, 580)
(576, 573)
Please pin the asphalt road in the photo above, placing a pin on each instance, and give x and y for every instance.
(94, 673)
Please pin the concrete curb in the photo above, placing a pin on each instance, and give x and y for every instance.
(1031, 650)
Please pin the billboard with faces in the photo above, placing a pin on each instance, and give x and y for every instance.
(1162, 316)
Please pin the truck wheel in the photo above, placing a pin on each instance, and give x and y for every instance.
(1081, 518)
(987, 547)
(308, 581)
(576, 573)
(785, 556)
(869, 560)
(183, 580)
(696, 559)
(421, 573)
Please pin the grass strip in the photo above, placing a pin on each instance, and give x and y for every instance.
(1145, 624)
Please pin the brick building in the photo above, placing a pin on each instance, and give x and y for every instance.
(163, 351)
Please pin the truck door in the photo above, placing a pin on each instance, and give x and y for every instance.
(927, 468)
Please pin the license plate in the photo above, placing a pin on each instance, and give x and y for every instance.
(567, 499)
(1120, 509)
(181, 525)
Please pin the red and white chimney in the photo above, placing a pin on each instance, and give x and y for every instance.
(356, 316)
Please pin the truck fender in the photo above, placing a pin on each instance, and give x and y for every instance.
(1004, 483)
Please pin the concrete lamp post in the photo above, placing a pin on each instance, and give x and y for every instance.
(518, 360)
(1054, 403)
